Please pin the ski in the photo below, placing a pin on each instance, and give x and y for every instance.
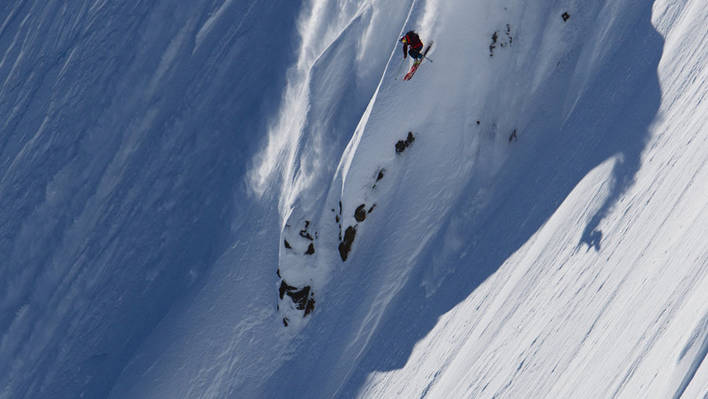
(417, 63)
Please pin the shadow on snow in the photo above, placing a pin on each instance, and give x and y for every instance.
(611, 120)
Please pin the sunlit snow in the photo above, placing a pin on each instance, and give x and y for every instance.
(244, 199)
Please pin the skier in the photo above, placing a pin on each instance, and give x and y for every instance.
(413, 40)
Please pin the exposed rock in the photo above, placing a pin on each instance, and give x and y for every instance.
(287, 245)
(565, 16)
(371, 209)
(346, 245)
(401, 145)
(513, 136)
(310, 249)
(305, 234)
(302, 298)
(360, 213)
(493, 45)
(309, 306)
(380, 175)
(284, 287)
(501, 42)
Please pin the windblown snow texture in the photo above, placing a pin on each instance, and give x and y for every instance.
(126, 133)
(243, 199)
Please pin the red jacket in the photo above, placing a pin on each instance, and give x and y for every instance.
(411, 39)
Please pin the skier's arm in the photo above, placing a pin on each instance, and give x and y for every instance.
(405, 50)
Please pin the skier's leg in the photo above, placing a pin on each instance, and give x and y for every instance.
(416, 55)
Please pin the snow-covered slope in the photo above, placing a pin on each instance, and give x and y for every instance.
(206, 201)
(126, 132)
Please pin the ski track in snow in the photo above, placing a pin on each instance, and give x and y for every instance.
(542, 236)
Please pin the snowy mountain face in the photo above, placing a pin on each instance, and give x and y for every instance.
(126, 132)
(243, 199)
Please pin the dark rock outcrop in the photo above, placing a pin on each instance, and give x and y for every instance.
(501, 41)
(346, 245)
(310, 249)
(302, 298)
(306, 234)
(513, 136)
(493, 45)
(379, 176)
(401, 145)
(284, 287)
(360, 213)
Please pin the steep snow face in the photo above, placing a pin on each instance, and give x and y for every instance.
(541, 233)
(339, 64)
(126, 131)
(593, 240)
(512, 249)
